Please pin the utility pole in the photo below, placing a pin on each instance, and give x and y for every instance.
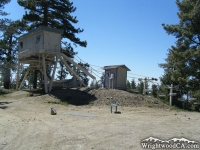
(145, 82)
(144, 89)
(171, 94)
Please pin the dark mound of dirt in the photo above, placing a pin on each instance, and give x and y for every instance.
(97, 97)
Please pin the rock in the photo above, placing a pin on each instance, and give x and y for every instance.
(53, 111)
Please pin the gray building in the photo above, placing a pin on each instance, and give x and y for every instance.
(40, 40)
(116, 76)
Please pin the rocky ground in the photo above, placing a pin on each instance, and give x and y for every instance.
(86, 122)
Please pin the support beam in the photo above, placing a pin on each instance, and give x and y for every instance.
(74, 78)
(78, 66)
(53, 74)
(45, 74)
(71, 70)
(24, 78)
(18, 66)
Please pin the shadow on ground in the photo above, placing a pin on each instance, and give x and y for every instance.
(73, 96)
(2, 105)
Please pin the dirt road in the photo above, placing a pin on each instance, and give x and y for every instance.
(26, 123)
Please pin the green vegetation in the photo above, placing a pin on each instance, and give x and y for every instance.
(183, 59)
(149, 105)
(107, 103)
(91, 103)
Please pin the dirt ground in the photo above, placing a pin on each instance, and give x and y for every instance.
(26, 123)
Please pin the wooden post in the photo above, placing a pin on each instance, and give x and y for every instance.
(71, 70)
(144, 85)
(45, 74)
(24, 78)
(74, 77)
(112, 83)
(54, 70)
(78, 66)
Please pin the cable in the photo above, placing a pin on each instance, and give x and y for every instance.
(140, 75)
(133, 77)
(137, 74)
(95, 66)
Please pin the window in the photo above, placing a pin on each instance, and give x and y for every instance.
(21, 44)
(37, 39)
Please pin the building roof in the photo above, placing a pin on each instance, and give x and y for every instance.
(116, 66)
(42, 28)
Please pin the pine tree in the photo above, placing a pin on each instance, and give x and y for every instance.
(140, 87)
(2, 4)
(182, 64)
(128, 85)
(133, 85)
(81, 74)
(3, 21)
(154, 90)
(8, 49)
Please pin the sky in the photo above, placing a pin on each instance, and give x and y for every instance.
(119, 32)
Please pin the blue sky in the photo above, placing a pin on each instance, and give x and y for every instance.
(122, 32)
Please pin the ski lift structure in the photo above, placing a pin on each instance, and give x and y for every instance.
(146, 80)
(41, 48)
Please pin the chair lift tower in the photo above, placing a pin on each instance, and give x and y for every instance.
(40, 49)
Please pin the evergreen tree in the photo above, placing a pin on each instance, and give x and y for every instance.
(102, 79)
(81, 74)
(154, 90)
(133, 85)
(3, 21)
(8, 49)
(140, 87)
(128, 85)
(2, 4)
(182, 64)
